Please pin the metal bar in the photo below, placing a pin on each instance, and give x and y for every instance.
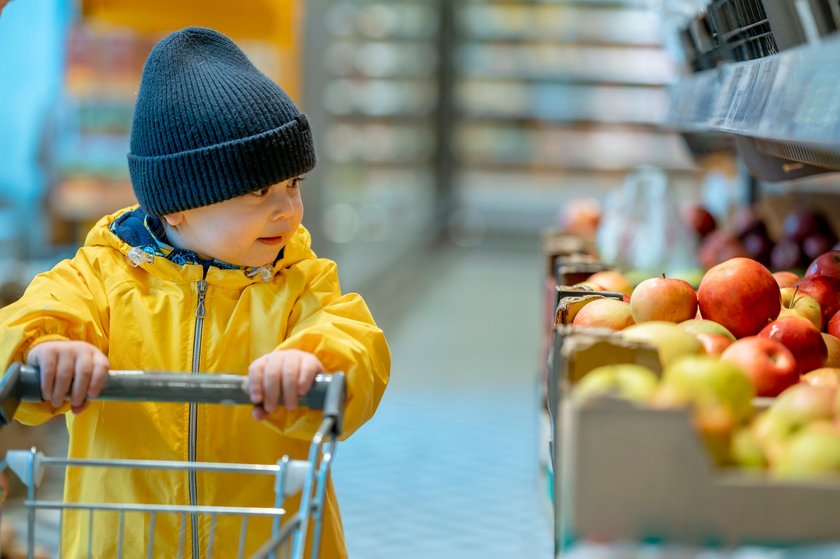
(173, 509)
(152, 518)
(159, 386)
(30, 517)
(318, 503)
(90, 534)
(243, 533)
(120, 533)
(272, 545)
(212, 539)
(165, 464)
(181, 536)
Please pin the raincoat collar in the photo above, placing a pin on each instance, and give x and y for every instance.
(138, 240)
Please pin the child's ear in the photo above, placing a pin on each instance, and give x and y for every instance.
(174, 219)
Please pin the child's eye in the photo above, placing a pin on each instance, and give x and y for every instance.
(295, 182)
(261, 193)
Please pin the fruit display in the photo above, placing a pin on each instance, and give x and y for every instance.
(805, 234)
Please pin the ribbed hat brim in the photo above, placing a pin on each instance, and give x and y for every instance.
(208, 175)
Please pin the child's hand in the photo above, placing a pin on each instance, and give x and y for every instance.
(75, 368)
(283, 375)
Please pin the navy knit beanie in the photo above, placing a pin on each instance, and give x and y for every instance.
(208, 126)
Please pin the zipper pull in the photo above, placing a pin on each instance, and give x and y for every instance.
(202, 293)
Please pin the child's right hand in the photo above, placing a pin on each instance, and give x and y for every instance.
(77, 369)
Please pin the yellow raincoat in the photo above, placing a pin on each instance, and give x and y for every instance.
(145, 317)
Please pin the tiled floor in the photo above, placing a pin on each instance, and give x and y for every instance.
(448, 466)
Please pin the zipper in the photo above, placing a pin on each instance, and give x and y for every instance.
(193, 417)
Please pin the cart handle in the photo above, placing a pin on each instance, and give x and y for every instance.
(22, 383)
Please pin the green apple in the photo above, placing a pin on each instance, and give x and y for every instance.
(745, 451)
(703, 326)
(625, 380)
(811, 454)
(799, 303)
(803, 403)
(772, 433)
(706, 379)
(670, 340)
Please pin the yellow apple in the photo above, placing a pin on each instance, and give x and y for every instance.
(670, 340)
(703, 326)
(799, 303)
(612, 280)
(708, 381)
(626, 380)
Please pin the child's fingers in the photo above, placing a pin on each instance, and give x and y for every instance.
(101, 366)
(46, 361)
(309, 369)
(63, 378)
(81, 378)
(255, 382)
(291, 372)
(271, 384)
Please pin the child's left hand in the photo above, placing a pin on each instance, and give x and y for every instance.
(283, 375)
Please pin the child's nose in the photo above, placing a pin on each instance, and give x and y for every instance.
(282, 204)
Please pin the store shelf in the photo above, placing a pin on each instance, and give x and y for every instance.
(790, 97)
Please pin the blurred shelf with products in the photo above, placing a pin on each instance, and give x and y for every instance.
(576, 89)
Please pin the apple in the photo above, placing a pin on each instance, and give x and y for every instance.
(715, 421)
(670, 340)
(758, 246)
(703, 326)
(803, 403)
(717, 247)
(801, 338)
(740, 294)
(826, 290)
(746, 220)
(771, 432)
(787, 254)
(627, 380)
(668, 299)
(826, 377)
(611, 280)
(833, 325)
(816, 244)
(699, 219)
(795, 303)
(745, 450)
(826, 264)
(707, 380)
(799, 224)
(714, 344)
(785, 278)
(810, 454)
(769, 365)
(832, 344)
(604, 312)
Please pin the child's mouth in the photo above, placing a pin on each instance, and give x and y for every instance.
(271, 240)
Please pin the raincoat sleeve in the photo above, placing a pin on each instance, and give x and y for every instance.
(341, 332)
(65, 303)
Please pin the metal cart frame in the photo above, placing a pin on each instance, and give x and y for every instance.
(306, 477)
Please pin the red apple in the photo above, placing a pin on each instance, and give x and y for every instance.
(787, 254)
(717, 247)
(604, 313)
(785, 278)
(795, 303)
(801, 338)
(769, 365)
(801, 223)
(714, 344)
(818, 243)
(669, 299)
(699, 219)
(758, 246)
(833, 325)
(740, 294)
(826, 264)
(826, 290)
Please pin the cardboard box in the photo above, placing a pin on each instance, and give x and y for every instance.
(624, 472)
(630, 473)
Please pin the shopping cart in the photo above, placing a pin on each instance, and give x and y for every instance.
(305, 477)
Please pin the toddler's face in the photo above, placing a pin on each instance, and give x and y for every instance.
(248, 230)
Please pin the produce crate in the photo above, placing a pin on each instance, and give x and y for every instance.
(637, 474)
(626, 473)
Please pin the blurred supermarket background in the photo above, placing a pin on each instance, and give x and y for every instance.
(452, 134)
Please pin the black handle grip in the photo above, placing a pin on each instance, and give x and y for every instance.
(23, 383)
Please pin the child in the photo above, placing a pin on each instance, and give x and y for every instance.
(212, 273)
